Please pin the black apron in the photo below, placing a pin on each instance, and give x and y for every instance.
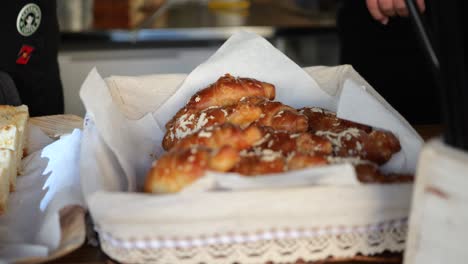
(28, 53)
(391, 59)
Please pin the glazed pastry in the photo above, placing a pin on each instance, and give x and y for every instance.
(320, 119)
(282, 117)
(376, 146)
(286, 143)
(248, 110)
(260, 161)
(241, 114)
(222, 135)
(351, 139)
(234, 126)
(227, 90)
(181, 167)
(297, 161)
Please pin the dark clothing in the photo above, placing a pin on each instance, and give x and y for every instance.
(391, 59)
(37, 77)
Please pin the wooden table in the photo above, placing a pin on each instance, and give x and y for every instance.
(90, 255)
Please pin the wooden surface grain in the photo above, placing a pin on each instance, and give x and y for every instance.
(57, 125)
(91, 255)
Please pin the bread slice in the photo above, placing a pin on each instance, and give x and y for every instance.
(4, 189)
(13, 125)
(9, 142)
(17, 116)
(7, 172)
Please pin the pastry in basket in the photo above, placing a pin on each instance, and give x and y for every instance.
(376, 146)
(321, 119)
(282, 117)
(182, 166)
(258, 161)
(370, 173)
(242, 114)
(227, 90)
(299, 160)
(257, 110)
(233, 125)
(217, 136)
(13, 124)
(351, 139)
(286, 142)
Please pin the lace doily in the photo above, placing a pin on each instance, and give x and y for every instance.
(282, 245)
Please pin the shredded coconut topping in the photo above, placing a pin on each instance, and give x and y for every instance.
(262, 140)
(294, 135)
(211, 107)
(224, 112)
(336, 138)
(290, 156)
(185, 122)
(264, 154)
(358, 146)
(350, 160)
(270, 143)
(316, 110)
(205, 134)
(270, 155)
(279, 114)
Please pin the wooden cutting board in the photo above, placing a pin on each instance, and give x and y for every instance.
(57, 125)
(72, 218)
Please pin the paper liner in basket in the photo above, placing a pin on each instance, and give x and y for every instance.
(130, 137)
(136, 142)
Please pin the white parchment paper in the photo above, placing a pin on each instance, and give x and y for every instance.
(125, 126)
(248, 55)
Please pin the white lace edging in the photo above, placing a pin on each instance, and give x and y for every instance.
(282, 245)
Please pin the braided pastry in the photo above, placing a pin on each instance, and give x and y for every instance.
(222, 135)
(257, 110)
(242, 114)
(234, 126)
(321, 119)
(180, 167)
(351, 139)
(258, 162)
(227, 90)
(376, 146)
(282, 117)
(286, 143)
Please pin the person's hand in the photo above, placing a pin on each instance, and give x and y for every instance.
(382, 10)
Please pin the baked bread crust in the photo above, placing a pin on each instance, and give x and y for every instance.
(234, 126)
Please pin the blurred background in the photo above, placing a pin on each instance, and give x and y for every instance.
(133, 37)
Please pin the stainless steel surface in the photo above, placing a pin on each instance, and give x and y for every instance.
(75, 15)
